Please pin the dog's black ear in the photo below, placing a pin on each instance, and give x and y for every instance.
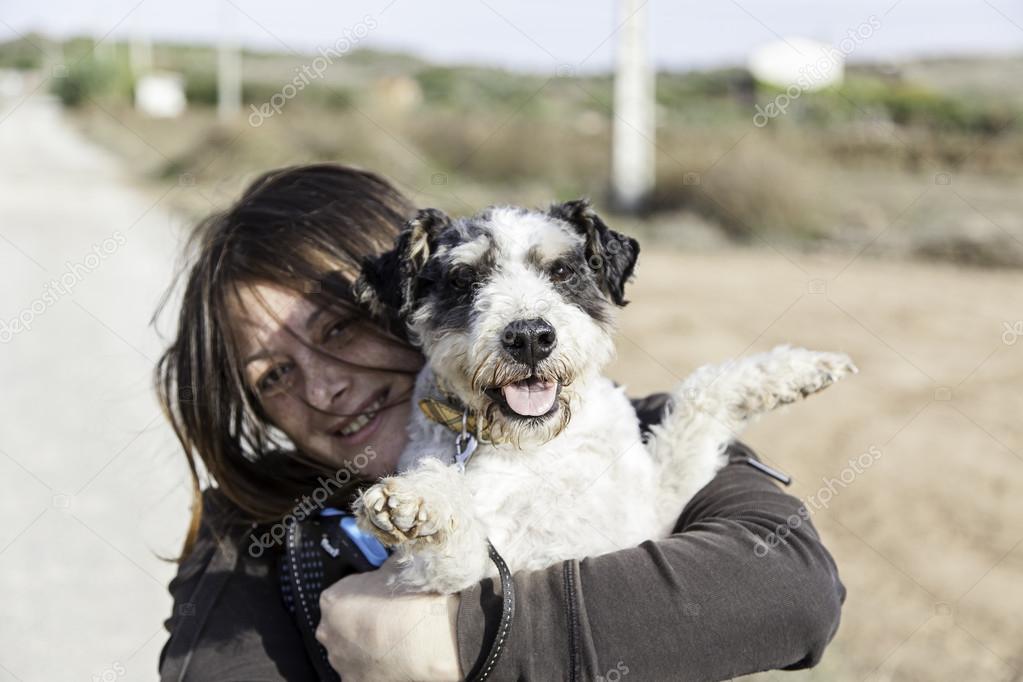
(611, 254)
(376, 287)
(388, 284)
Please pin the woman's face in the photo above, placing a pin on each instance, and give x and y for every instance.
(328, 408)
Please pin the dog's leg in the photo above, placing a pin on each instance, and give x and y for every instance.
(427, 515)
(711, 407)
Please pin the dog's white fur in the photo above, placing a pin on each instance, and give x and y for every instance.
(563, 490)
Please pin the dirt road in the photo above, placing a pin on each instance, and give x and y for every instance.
(92, 487)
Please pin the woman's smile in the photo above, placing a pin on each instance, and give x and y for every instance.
(355, 429)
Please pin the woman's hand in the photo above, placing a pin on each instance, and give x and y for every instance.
(371, 633)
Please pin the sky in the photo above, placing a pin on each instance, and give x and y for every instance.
(541, 35)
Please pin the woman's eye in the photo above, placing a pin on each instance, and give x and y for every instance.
(340, 331)
(559, 272)
(274, 378)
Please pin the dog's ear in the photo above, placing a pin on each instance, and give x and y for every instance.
(388, 284)
(611, 254)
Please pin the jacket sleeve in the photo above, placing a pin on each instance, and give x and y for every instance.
(742, 585)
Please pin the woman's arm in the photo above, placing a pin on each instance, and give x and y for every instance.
(717, 599)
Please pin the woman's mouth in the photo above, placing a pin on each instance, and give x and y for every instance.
(364, 423)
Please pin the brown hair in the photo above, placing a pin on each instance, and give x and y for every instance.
(305, 228)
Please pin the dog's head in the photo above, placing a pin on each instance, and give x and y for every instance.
(511, 307)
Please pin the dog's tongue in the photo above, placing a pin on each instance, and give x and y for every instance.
(532, 397)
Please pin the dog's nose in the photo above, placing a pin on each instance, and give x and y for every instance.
(529, 341)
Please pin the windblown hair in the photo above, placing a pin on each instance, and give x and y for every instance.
(305, 228)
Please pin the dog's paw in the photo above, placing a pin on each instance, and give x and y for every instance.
(820, 370)
(797, 372)
(789, 374)
(399, 514)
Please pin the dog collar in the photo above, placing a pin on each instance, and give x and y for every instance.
(446, 414)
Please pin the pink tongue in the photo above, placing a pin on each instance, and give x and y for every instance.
(532, 397)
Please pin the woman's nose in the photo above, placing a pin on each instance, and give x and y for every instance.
(325, 383)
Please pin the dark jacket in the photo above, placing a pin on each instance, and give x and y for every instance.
(743, 585)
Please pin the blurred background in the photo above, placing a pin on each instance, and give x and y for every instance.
(842, 176)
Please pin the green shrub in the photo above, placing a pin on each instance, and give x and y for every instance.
(22, 53)
(685, 90)
(911, 105)
(201, 87)
(917, 106)
(91, 78)
(438, 83)
(474, 88)
(332, 97)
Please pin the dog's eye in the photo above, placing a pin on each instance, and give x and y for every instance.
(462, 277)
(559, 272)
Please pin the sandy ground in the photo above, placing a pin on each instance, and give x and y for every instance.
(927, 536)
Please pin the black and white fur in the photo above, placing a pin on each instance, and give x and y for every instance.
(579, 480)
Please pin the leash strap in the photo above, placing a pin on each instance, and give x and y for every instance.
(465, 446)
(507, 615)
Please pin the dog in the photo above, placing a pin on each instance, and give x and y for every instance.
(514, 310)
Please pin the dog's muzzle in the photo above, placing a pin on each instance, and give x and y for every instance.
(528, 343)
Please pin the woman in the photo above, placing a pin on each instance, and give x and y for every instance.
(286, 397)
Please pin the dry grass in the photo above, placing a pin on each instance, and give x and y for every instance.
(778, 185)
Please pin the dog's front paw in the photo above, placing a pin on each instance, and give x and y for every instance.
(397, 513)
(821, 370)
(788, 374)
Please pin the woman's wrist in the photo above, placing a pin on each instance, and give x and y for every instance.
(370, 633)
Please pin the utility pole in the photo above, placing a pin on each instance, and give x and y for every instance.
(633, 132)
